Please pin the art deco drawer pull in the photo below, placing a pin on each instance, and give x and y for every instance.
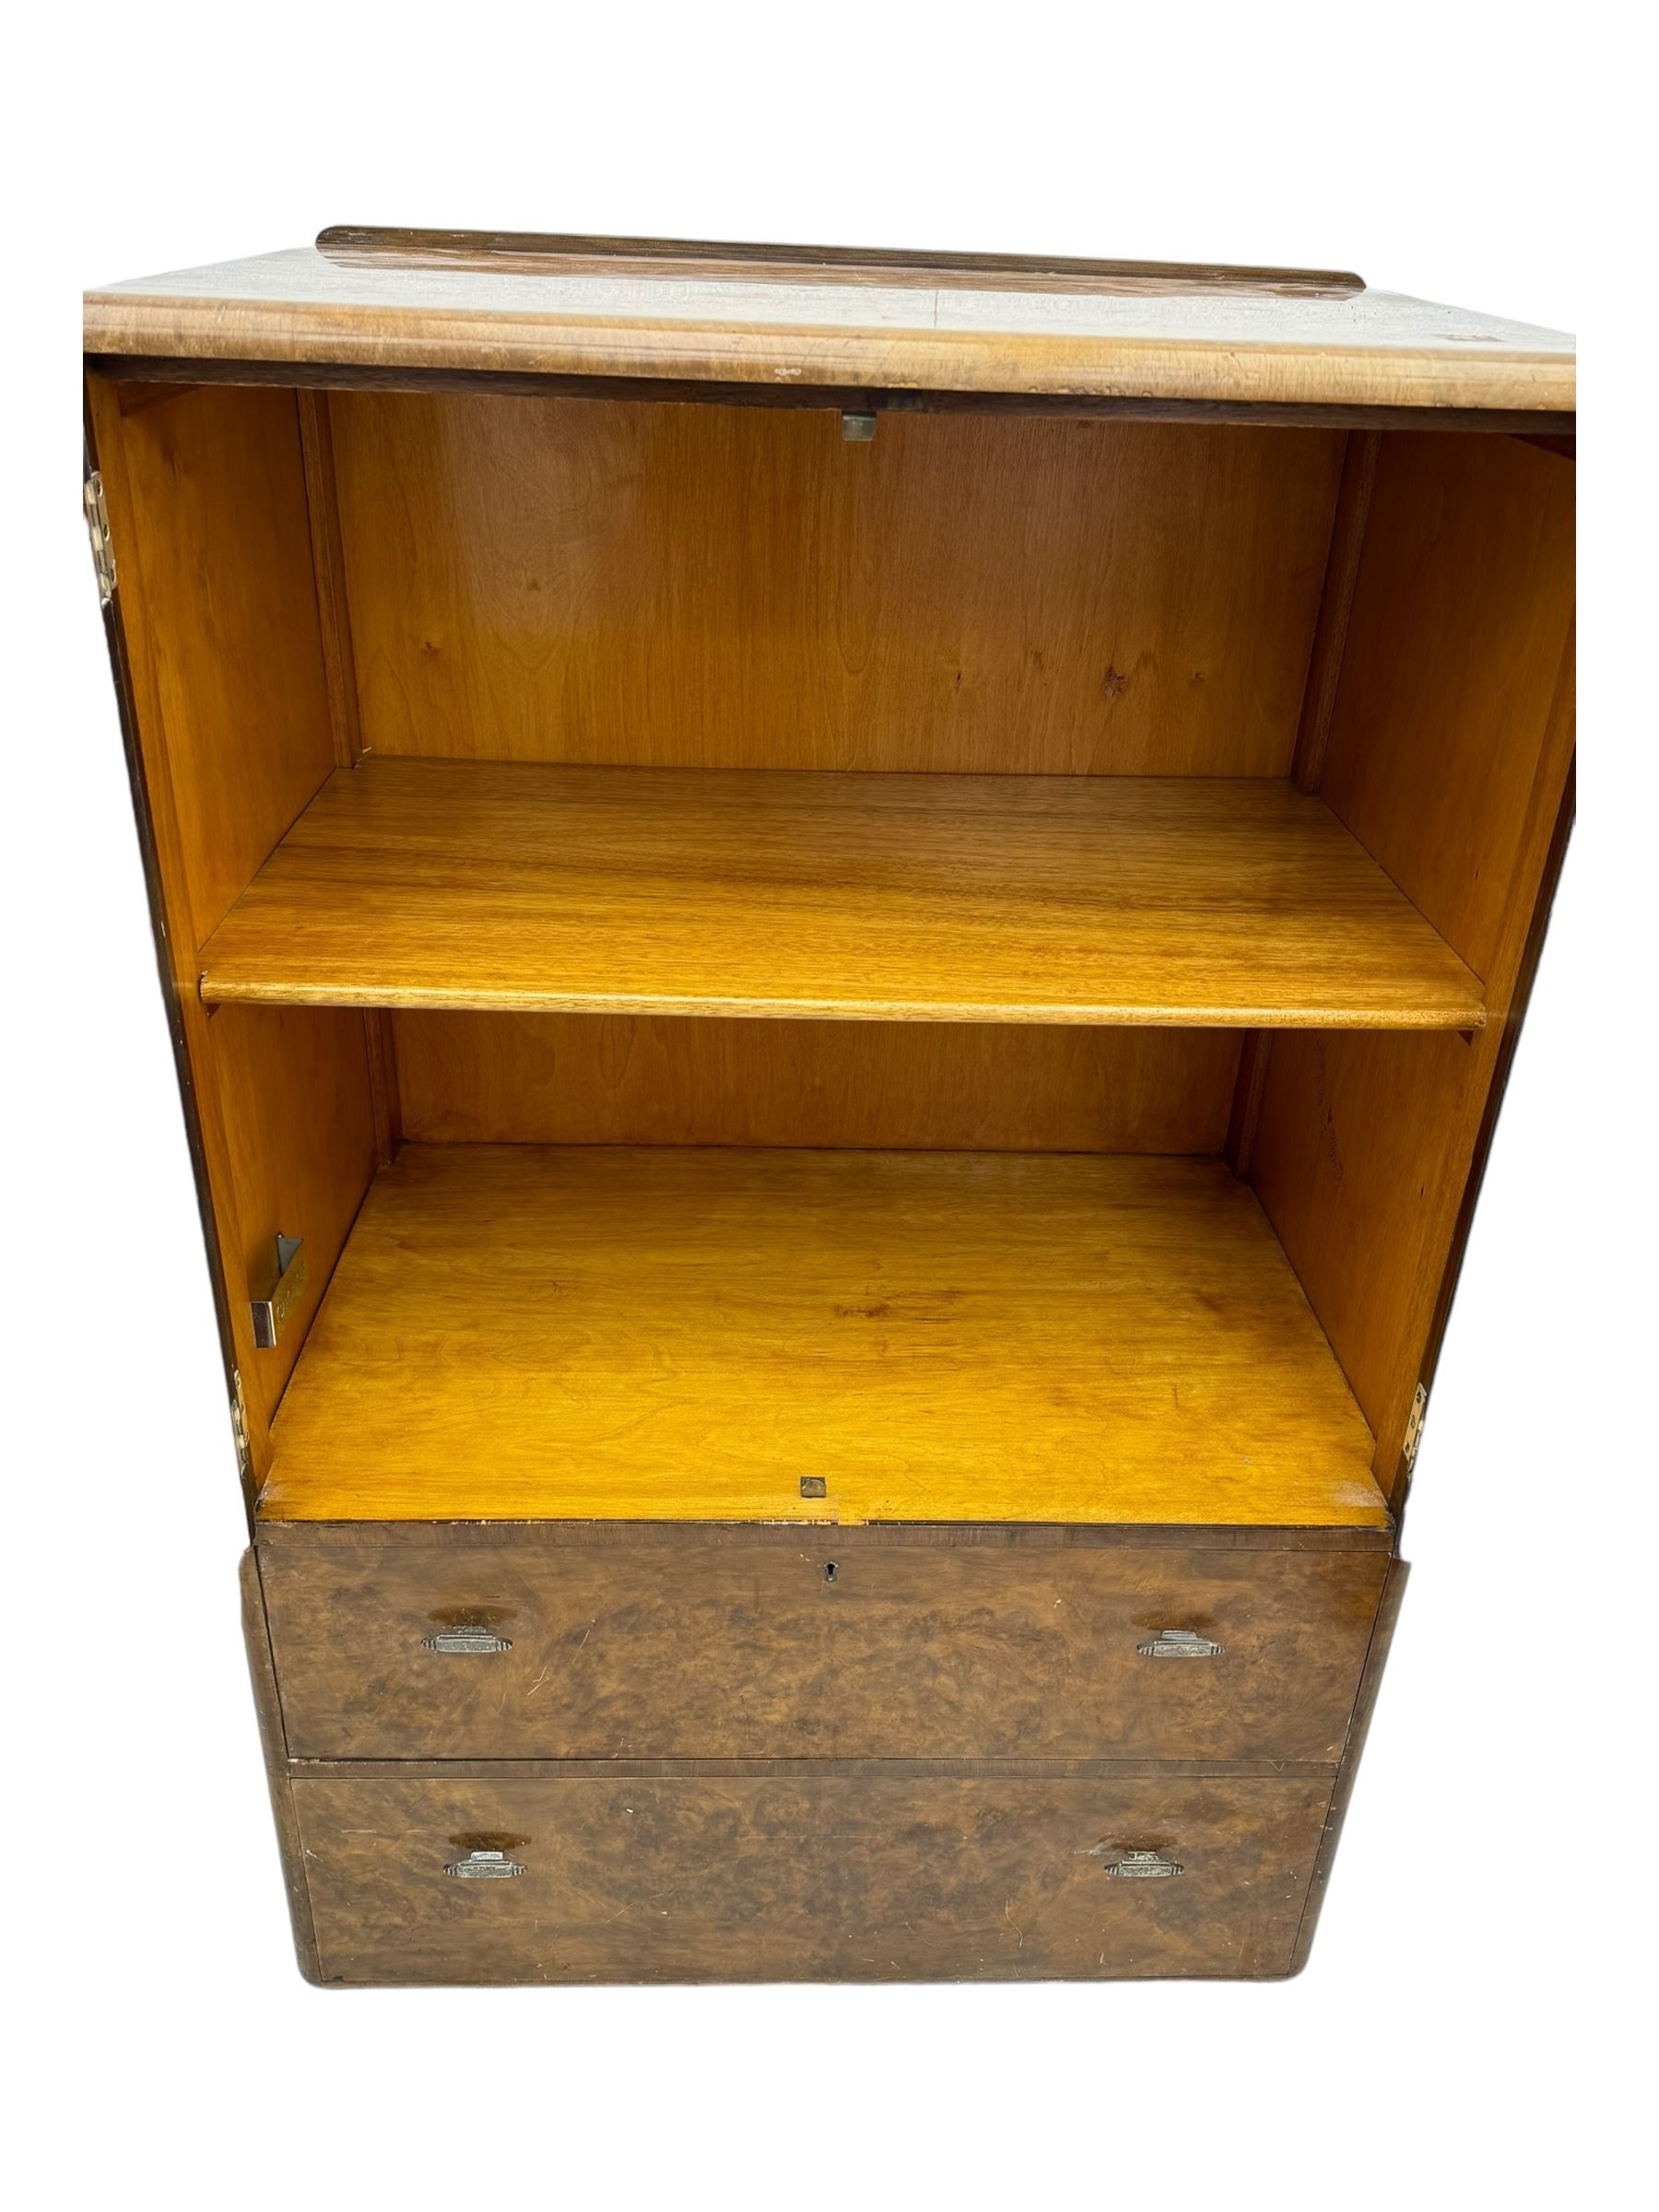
(465, 1640)
(484, 1866)
(1138, 1866)
(1179, 1643)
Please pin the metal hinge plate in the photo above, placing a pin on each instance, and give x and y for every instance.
(287, 1284)
(239, 1425)
(1413, 1427)
(97, 530)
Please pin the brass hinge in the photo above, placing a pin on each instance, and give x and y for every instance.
(1413, 1426)
(239, 1425)
(97, 530)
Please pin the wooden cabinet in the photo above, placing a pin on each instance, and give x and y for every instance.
(844, 932)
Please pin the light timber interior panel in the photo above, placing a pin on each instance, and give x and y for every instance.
(229, 726)
(292, 1095)
(608, 1079)
(1462, 615)
(1450, 758)
(207, 506)
(1353, 1143)
(666, 585)
(653, 1333)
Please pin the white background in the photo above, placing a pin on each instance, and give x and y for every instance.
(1468, 2029)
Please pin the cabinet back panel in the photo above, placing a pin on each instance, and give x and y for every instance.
(607, 1079)
(662, 584)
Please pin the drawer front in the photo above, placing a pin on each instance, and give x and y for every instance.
(442, 1643)
(741, 1878)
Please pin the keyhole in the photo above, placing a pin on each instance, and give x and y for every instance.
(830, 1572)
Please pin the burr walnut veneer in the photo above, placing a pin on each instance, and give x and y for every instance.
(843, 930)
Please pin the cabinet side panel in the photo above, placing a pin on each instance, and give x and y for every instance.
(1371, 1681)
(1451, 759)
(263, 1676)
(1460, 616)
(605, 1079)
(665, 585)
(217, 612)
(1359, 1141)
(300, 1149)
(207, 511)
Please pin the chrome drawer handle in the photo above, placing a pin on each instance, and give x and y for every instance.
(1143, 1866)
(484, 1866)
(1181, 1643)
(465, 1640)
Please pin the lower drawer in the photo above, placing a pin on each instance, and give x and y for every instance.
(814, 1877)
(411, 1640)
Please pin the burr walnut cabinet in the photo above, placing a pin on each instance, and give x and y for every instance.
(842, 931)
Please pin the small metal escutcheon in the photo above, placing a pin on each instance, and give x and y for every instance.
(465, 1640)
(1181, 1643)
(1143, 1866)
(484, 1866)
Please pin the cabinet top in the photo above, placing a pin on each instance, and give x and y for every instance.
(843, 318)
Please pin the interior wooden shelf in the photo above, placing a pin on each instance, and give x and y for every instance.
(1171, 901)
(520, 1332)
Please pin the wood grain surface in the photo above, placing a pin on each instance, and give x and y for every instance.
(1434, 750)
(647, 1334)
(681, 587)
(703, 1879)
(674, 1650)
(652, 1079)
(261, 1676)
(1171, 901)
(536, 252)
(1451, 753)
(223, 625)
(295, 1151)
(822, 1488)
(217, 619)
(1234, 343)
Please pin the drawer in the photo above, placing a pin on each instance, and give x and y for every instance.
(422, 1641)
(739, 1878)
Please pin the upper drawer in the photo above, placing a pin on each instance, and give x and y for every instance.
(850, 1644)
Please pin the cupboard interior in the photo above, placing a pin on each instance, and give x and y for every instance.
(891, 1170)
